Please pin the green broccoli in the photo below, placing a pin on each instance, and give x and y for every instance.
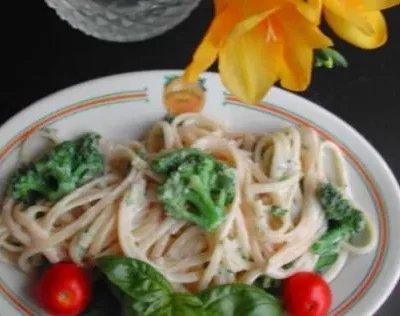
(168, 161)
(59, 171)
(197, 186)
(339, 209)
(344, 221)
(332, 201)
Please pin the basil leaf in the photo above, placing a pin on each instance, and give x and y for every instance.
(187, 305)
(146, 291)
(239, 300)
(127, 307)
(180, 304)
(149, 289)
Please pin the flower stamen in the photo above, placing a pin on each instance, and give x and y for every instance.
(271, 34)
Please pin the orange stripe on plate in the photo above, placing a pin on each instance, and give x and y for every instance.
(383, 240)
(15, 301)
(290, 116)
(69, 110)
(40, 124)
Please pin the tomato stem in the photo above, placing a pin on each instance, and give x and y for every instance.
(64, 297)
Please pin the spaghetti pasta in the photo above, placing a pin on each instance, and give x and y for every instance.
(119, 213)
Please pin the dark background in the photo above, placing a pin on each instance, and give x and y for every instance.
(43, 54)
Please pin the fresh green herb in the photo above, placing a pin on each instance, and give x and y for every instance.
(141, 290)
(169, 118)
(278, 211)
(151, 293)
(60, 171)
(329, 58)
(338, 208)
(239, 300)
(197, 186)
(344, 221)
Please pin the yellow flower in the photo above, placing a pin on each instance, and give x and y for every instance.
(259, 43)
(359, 21)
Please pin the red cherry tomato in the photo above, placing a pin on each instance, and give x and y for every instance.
(63, 290)
(306, 294)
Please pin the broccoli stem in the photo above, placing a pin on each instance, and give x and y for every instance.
(330, 241)
(202, 201)
(325, 261)
(221, 199)
(344, 222)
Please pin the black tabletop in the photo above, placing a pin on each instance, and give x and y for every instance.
(44, 54)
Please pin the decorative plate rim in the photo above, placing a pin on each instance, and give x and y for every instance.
(128, 96)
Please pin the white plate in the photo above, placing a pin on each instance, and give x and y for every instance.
(124, 106)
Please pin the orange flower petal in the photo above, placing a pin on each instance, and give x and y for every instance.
(350, 11)
(310, 9)
(297, 66)
(248, 65)
(366, 30)
(220, 5)
(249, 8)
(207, 51)
(375, 5)
(300, 39)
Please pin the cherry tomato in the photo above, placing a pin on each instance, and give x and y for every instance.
(306, 294)
(63, 290)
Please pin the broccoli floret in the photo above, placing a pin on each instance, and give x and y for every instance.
(335, 206)
(356, 222)
(89, 161)
(339, 209)
(197, 187)
(166, 162)
(60, 171)
(344, 220)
